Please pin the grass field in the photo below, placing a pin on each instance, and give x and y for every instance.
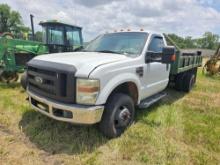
(181, 129)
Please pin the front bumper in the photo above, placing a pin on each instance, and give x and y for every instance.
(72, 113)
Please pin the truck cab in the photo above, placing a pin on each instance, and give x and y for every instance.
(104, 82)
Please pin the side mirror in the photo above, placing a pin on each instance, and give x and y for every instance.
(168, 55)
(152, 57)
(148, 57)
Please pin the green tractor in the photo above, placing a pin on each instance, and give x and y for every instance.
(15, 53)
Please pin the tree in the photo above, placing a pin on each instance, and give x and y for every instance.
(38, 36)
(11, 21)
(178, 40)
(189, 42)
(208, 41)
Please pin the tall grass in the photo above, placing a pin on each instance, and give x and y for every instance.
(180, 129)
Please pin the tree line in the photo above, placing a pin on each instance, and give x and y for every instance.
(208, 40)
(11, 21)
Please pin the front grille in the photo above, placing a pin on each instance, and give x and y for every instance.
(52, 80)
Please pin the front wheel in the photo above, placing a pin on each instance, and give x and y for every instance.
(118, 115)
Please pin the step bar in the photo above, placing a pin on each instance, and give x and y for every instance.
(152, 99)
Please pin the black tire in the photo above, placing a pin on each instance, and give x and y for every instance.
(188, 81)
(24, 80)
(9, 77)
(118, 115)
(179, 82)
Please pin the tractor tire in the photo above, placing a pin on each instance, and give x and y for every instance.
(189, 81)
(9, 77)
(24, 80)
(118, 115)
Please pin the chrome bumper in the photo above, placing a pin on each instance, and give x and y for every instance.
(72, 113)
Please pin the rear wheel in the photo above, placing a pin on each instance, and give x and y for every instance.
(118, 115)
(188, 82)
(179, 82)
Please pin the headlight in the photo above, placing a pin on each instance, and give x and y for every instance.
(87, 91)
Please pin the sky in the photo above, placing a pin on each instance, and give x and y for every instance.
(183, 17)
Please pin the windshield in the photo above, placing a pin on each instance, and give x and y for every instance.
(128, 43)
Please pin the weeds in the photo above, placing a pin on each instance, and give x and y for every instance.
(181, 129)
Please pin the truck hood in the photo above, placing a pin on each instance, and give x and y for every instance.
(84, 62)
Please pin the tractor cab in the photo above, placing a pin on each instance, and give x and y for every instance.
(61, 37)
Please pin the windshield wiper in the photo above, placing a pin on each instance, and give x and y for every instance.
(107, 51)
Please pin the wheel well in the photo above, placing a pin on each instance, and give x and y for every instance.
(128, 88)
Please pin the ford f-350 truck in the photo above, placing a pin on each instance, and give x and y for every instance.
(104, 82)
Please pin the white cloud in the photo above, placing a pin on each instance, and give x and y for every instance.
(184, 17)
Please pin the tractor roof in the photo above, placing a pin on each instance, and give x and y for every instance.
(56, 22)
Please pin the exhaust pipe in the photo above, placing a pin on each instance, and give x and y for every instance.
(32, 26)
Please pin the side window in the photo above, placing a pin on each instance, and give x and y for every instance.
(156, 44)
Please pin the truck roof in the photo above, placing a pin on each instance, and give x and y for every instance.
(58, 22)
(137, 31)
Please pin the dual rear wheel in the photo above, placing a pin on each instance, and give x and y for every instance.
(185, 81)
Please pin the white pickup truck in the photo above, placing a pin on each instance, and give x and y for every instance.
(104, 82)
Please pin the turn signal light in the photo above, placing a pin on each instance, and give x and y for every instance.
(173, 57)
(87, 89)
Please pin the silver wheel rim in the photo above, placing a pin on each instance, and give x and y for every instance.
(122, 117)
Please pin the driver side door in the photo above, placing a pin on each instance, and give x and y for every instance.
(156, 74)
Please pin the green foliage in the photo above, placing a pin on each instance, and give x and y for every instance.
(207, 41)
(11, 21)
(38, 36)
(180, 41)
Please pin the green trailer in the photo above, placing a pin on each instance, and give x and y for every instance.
(184, 69)
(15, 53)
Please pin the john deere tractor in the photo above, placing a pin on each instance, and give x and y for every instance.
(15, 53)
